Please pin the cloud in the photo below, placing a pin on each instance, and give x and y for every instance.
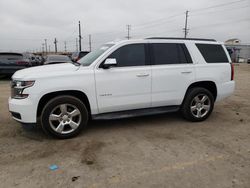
(24, 24)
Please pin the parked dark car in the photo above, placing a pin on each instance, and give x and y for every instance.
(55, 59)
(248, 60)
(78, 55)
(11, 62)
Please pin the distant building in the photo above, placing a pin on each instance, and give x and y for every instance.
(233, 41)
(239, 52)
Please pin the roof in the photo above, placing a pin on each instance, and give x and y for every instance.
(175, 38)
(212, 41)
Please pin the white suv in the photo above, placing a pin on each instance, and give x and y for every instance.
(124, 79)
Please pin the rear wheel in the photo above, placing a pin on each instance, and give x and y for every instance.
(64, 117)
(198, 104)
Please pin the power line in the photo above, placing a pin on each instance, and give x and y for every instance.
(221, 23)
(162, 20)
(158, 21)
(218, 5)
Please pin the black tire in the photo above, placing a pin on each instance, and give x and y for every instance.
(190, 100)
(68, 101)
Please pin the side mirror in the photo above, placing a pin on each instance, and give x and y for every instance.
(109, 62)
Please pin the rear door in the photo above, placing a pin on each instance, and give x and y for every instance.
(172, 73)
(128, 85)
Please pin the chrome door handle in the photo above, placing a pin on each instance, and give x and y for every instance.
(142, 75)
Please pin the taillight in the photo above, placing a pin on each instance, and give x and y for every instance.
(232, 71)
(22, 63)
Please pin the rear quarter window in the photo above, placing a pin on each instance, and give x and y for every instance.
(213, 53)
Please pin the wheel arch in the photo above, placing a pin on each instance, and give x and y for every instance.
(209, 85)
(75, 93)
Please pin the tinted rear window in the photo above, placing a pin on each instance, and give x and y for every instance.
(213, 53)
(170, 53)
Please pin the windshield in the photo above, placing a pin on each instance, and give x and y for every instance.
(92, 56)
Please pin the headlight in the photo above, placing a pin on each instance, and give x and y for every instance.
(17, 88)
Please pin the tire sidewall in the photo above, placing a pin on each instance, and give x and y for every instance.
(63, 100)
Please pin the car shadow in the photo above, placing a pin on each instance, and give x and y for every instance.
(5, 77)
(35, 132)
(141, 121)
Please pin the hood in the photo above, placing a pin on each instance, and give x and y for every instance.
(45, 71)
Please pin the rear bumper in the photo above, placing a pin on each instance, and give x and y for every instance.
(23, 110)
(225, 90)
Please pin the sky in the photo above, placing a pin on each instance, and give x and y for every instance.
(25, 24)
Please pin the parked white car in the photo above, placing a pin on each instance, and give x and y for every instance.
(124, 79)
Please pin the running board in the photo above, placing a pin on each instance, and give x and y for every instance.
(135, 113)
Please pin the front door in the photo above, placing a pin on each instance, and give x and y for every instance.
(126, 86)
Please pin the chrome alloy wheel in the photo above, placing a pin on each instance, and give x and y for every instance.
(65, 118)
(200, 105)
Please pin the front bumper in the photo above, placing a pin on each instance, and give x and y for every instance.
(23, 110)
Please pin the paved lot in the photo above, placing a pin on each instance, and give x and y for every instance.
(156, 151)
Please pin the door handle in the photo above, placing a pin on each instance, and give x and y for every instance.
(142, 75)
(186, 72)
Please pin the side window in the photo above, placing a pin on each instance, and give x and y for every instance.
(130, 55)
(170, 53)
(213, 53)
(184, 56)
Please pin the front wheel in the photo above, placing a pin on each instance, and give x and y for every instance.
(198, 104)
(64, 117)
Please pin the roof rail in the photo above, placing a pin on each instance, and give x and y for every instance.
(176, 38)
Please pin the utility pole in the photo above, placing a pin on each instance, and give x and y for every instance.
(80, 37)
(76, 45)
(65, 46)
(43, 48)
(46, 49)
(55, 42)
(128, 28)
(90, 45)
(49, 48)
(186, 25)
